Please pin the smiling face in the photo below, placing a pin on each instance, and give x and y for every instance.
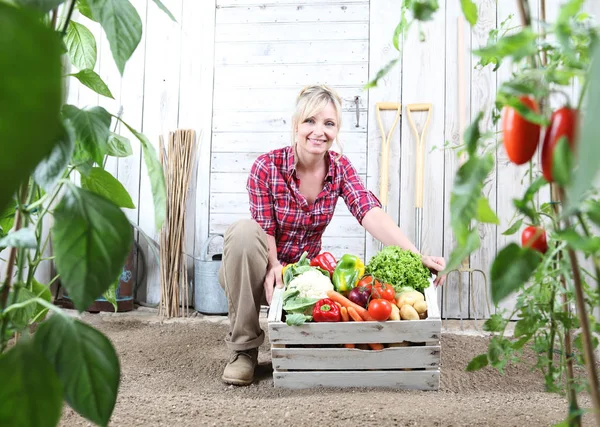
(316, 133)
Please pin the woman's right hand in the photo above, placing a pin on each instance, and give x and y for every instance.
(273, 279)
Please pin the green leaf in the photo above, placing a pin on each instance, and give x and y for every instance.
(104, 184)
(122, 25)
(472, 243)
(30, 106)
(31, 395)
(511, 268)
(92, 80)
(588, 149)
(91, 238)
(22, 238)
(86, 363)
(589, 245)
(523, 110)
(40, 291)
(164, 9)
(50, 170)
(397, 32)
(85, 10)
(496, 323)
(92, 128)
(119, 146)
(156, 175)
(592, 208)
(526, 205)
(423, 10)
(526, 326)
(7, 220)
(520, 343)
(469, 10)
(472, 134)
(569, 10)
(513, 228)
(562, 162)
(21, 317)
(466, 191)
(478, 362)
(296, 319)
(485, 213)
(111, 294)
(43, 6)
(81, 45)
(517, 46)
(381, 73)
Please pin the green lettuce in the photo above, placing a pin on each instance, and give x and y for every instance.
(399, 268)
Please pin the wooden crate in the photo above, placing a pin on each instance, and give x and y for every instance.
(306, 356)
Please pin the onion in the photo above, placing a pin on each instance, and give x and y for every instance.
(359, 295)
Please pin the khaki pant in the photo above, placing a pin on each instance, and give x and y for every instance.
(242, 275)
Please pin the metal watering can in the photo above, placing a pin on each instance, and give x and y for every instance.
(209, 296)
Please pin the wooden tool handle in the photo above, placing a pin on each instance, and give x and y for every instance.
(420, 151)
(385, 148)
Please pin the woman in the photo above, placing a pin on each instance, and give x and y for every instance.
(293, 192)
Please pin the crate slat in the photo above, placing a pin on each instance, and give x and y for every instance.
(354, 359)
(415, 380)
(356, 332)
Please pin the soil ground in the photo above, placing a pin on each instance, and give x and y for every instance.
(171, 377)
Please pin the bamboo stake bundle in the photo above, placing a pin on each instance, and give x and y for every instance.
(177, 159)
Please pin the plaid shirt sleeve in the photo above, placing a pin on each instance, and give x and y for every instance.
(358, 199)
(261, 198)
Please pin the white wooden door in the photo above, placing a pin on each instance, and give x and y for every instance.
(264, 55)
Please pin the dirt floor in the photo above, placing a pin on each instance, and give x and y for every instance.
(171, 377)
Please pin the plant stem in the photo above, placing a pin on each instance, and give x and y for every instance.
(543, 19)
(523, 6)
(587, 233)
(71, 7)
(590, 362)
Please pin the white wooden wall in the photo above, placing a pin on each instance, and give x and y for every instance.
(230, 69)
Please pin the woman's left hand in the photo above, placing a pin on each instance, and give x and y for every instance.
(435, 264)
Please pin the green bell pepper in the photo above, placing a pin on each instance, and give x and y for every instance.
(347, 273)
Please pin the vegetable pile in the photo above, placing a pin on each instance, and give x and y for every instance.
(328, 290)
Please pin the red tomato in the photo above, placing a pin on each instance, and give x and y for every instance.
(380, 309)
(562, 123)
(384, 291)
(521, 137)
(367, 282)
(539, 243)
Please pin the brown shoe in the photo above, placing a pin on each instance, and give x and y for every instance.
(240, 369)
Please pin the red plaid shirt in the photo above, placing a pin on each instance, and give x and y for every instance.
(283, 212)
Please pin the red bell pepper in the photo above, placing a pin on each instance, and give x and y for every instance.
(326, 310)
(326, 261)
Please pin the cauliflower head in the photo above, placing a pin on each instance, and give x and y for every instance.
(311, 284)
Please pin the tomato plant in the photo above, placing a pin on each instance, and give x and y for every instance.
(563, 123)
(535, 238)
(380, 309)
(520, 136)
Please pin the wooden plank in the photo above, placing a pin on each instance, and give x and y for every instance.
(431, 297)
(312, 359)
(233, 182)
(276, 305)
(483, 96)
(291, 75)
(252, 121)
(414, 380)
(511, 183)
(455, 303)
(291, 52)
(423, 82)
(242, 162)
(277, 99)
(238, 3)
(292, 31)
(360, 332)
(203, 117)
(161, 102)
(346, 226)
(253, 142)
(238, 203)
(383, 20)
(293, 13)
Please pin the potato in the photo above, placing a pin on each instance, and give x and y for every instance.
(423, 315)
(420, 306)
(395, 313)
(409, 298)
(407, 312)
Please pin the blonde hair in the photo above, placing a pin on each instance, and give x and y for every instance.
(309, 102)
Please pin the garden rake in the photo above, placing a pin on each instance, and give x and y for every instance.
(385, 150)
(464, 267)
